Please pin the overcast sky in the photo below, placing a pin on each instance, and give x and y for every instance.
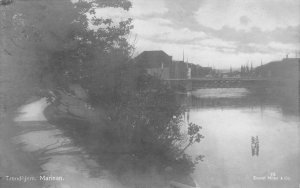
(217, 32)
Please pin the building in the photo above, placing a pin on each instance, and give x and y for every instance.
(179, 70)
(286, 69)
(157, 63)
(160, 65)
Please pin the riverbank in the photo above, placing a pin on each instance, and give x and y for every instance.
(72, 116)
(15, 162)
(62, 164)
(80, 127)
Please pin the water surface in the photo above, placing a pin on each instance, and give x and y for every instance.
(230, 117)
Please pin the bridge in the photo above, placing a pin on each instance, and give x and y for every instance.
(199, 83)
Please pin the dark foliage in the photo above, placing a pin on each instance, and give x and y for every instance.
(143, 125)
(6, 2)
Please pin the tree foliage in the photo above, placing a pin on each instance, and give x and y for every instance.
(59, 42)
(6, 2)
(60, 35)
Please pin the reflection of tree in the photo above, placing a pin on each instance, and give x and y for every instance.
(254, 99)
(254, 146)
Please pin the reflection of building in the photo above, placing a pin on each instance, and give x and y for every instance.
(160, 64)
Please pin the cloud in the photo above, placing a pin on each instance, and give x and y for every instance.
(181, 12)
(244, 20)
(142, 8)
(269, 48)
(151, 27)
(289, 35)
(264, 14)
(162, 30)
(183, 35)
(218, 43)
(222, 33)
(284, 47)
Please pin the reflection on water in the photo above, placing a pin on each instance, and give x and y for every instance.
(229, 122)
(220, 93)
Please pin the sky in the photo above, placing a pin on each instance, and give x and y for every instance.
(219, 33)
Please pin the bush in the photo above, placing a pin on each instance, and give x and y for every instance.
(143, 127)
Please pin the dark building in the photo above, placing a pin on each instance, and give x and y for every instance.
(285, 69)
(179, 70)
(184, 70)
(198, 71)
(160, 64)
(157, 63)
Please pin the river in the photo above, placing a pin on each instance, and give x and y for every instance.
(230, 118)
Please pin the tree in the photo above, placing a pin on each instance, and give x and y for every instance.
(53, 42)
(59, 35)
(17, 54)
(146, 123)
(6, 2)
